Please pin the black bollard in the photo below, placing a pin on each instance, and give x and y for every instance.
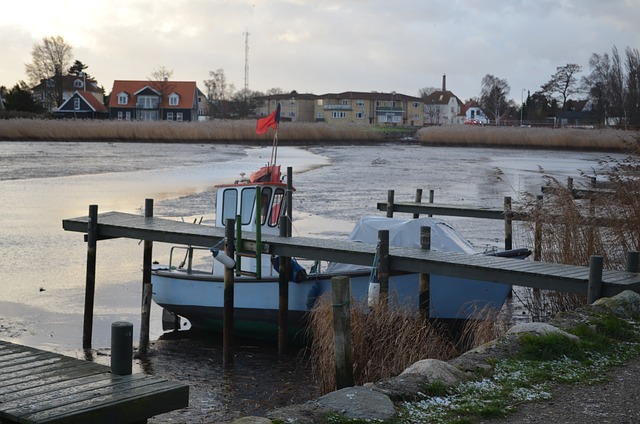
(121, 347)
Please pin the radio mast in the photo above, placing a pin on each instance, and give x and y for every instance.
(246, 62)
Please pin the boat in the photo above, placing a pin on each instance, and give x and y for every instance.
(196, 293)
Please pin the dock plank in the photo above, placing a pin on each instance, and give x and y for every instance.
(44, 387)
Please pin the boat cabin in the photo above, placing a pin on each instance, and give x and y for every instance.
(238, 201)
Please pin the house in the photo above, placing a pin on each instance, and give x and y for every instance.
(579, 113)
(155, 101)
(82, 104)
(473, 114)
(294, 107)
(442, 107)
(45, 93)
(369, 108)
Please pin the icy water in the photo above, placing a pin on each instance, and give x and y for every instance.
(42, 271)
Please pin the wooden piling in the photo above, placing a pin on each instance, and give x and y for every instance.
(147, 290)
(431, 196)
(632, 261)
(390, 201)
(418, 199)
(508, 224)
(594, 288)
(90, 285)
(341, 297)
(537, 238)
(383, 266)
(227, 325)
(425, 279)
(284, 277)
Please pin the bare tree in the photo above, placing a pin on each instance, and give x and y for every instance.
(425, 92)
(493, 96)
(563, 83)
(219, 91)
(633, 85)
(160, 81)
(49, 62)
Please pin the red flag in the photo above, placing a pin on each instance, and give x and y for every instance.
(270, 121)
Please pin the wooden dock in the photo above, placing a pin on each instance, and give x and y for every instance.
(565, 278)
(44, 387)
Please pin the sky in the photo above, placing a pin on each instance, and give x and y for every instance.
(324, 46)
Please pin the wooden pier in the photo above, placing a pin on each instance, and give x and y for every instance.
(565, 278)
(44, 387)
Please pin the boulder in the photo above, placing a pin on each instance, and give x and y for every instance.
(624, 305)
(539, 328)
(361, 403)
(252, 420)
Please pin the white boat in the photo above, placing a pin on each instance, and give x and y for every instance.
(197, 294)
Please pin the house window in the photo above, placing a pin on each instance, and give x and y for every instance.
(359, 102)
(344, 102)
(292, 103)
(78, 83)
(359, 115)
(319, 102)
(127, 116)
(179, 116)
(123, 99)
(119, 116)
(173, 100)
(336, 114)
(76, 103)
(169, 116)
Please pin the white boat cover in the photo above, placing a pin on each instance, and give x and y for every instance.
(405, 233)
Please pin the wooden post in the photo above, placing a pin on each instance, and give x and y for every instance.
(147, 291)
(591, 235)
(390, 201)
(632, 261)
(289, 198)
(341, 296)
(418, 200)
(425, 279)
(594, 289)
(383, 266)
(259, 207)
(227, 330)
(90, 286)
(537, 243)
(508, 224)
(239, 241)
(283, 293)
(431, 200)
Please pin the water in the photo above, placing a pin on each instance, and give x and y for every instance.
(42, 271)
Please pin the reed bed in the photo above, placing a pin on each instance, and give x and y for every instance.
(534, 138)
(168, 131)
(386, 341)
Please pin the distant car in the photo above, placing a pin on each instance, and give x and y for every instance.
(473, 122)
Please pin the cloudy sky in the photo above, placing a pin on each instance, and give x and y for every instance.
(321, 46)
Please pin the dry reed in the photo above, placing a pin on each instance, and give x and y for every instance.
(539, 138)
(171, 131)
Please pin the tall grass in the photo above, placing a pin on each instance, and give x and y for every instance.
(540, 138)
(605, 221)
(168, 131)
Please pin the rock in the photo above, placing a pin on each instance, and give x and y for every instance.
(625, 304)
(359, 403)
(252, 420)
(539, 328)
(309, 412)
(411, 384)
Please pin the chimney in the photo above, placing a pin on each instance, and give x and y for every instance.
(444, 82)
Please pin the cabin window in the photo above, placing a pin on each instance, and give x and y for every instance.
(264, 204)
(246, 205)
(229, 204)
(276, 207)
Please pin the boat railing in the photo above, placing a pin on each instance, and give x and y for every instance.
(187, 260)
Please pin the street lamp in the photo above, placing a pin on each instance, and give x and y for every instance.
(522, 104)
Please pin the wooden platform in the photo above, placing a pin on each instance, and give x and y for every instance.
(44, 387)
(566, 278)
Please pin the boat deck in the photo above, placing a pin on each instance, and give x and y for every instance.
(44, 387)
(566, 278)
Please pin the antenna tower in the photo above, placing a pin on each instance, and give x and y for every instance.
(246, 62)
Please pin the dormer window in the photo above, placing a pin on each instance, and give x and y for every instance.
(123, 98)
(78, 83)
(174, 99)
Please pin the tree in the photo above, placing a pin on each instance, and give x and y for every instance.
(633, 85)
(425, 92)
(219, 91)
(493, 96)
(78, 69)
(563, 82)
(19, 99)
(49, 62)
(160, 81)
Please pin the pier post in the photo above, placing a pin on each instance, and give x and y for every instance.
(227, 325)
(508, 224)
(594, 289)
(383, 266)
(431, 196)
(632, 261)
(341, 296)
(284, 276)
(390, 201)
(537, 242)
(90, 286)
(425, 279)
(121, 348)
(147, 291)
(418, 199)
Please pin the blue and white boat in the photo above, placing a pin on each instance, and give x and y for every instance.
(196, 294)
